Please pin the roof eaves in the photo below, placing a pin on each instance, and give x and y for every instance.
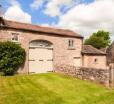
(40, 29)
(84, 53)
(50, 33)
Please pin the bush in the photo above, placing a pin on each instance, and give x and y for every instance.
(11, 57)
(8, 71)
(2, 74)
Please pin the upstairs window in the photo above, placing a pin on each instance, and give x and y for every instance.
(70, 43)
(15, 37)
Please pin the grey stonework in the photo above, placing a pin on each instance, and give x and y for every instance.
(101, 76)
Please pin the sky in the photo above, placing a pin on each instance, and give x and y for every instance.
(82, 16)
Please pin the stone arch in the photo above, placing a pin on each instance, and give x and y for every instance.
(41, 43)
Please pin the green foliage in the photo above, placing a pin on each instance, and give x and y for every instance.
(1, 74)
(11, 57)
(99, 40)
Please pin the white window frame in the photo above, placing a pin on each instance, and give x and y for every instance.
(13, 38)
(70, 43)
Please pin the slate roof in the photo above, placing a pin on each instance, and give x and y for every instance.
(90, 50)
(36, 28)
(103, 49)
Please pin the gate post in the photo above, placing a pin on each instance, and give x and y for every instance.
(111, 76)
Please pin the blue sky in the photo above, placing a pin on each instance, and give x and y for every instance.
(82, 16)
(38, 16)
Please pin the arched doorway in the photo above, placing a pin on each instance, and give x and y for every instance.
(40, 56)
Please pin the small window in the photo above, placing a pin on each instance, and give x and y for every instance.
(71, 43)
(96, 60)
(15, 37)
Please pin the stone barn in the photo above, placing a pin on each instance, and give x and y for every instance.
(45, 47)
(48, 47)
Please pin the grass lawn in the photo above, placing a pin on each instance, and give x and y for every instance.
(52, 88)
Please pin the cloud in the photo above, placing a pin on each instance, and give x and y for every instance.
(88, 18)
(37, 4)
(54, 7)
(16, 13)
(52, 10)
(46, 25)
(13, 3)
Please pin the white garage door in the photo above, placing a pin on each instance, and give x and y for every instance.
(40, 60)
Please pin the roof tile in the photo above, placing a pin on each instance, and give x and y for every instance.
(36, 28)
(88, 49)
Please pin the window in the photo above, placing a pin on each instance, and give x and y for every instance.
(41, 44)
(71, 43)
(15, 37)
(96, 60)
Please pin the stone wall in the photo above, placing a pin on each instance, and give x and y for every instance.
(100, 76)
(111, 72)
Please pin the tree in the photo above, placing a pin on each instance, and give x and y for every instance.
(11, 57)
(99, 40)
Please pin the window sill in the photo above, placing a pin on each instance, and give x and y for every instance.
(71, 48)
(96, 63)
(16, 42)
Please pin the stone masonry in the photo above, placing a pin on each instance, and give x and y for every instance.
(100, 76)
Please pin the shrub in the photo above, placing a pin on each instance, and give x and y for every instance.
(1, 73)
(11, 57)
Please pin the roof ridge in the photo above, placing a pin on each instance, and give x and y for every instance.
(38, 28)
(91, 50)
(98, 49)
(33, 24)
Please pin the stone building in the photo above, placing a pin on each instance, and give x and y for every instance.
(47, 47)
(110, 55)
(93, 58)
